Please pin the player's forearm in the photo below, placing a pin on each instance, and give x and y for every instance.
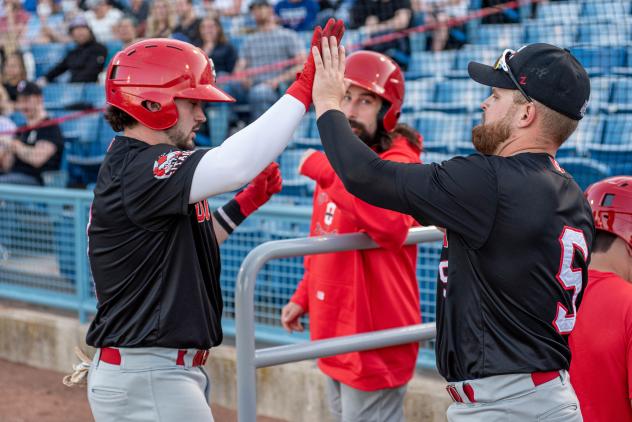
(360, 169)
(220, 233)
(245, 154)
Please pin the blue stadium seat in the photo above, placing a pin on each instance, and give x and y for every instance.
(562, 35)
(584, 170)
(476, 53)
(47, 55)
(621, 97)
(59, 96)
(600, 59)
(599, 93)
(603, 33)
(589, 131)
(428, 157)
(610, 10)
(499, 36)
(293, 183)
(618, 130)
(84, 128)
(113, 47)
(94, 93)
(626, 69)
(418, 93)
(217, 115)
(444, 132)
(459, 94)
(617, 157)
(428, 64)
(558, 11)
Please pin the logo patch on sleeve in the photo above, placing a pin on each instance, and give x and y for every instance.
(169, 162)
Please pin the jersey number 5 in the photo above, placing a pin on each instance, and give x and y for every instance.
(570, 278)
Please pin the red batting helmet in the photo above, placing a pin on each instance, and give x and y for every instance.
(160, 70)
(611, 202)
(380, 75)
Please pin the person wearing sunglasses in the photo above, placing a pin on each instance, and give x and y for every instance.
(518, 231)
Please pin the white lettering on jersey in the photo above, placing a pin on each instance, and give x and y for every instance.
(329, 213)
(570, 278)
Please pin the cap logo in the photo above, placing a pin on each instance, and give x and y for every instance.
(523, 80)
(582, 111)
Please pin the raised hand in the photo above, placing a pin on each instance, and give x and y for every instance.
(301, 89)
(329, 83)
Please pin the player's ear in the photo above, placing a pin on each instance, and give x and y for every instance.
(527, 114)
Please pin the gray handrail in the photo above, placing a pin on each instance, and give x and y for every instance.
(248, 360)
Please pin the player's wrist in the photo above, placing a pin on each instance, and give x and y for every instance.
(229, 215)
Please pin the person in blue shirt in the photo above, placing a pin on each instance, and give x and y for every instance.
(299, 15)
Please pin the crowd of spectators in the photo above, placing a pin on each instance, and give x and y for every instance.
(255, 56)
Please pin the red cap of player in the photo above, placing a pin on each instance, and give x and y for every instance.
(611, 202)
(379, 74)
(160, 70)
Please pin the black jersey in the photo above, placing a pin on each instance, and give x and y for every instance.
(513, 268)
(519, 233)
(154, 257)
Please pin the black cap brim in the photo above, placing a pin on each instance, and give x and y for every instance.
(487, 75)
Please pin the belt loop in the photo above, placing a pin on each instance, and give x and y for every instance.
(454, 394)
(96, 359)
(180, 358)
(469, 392)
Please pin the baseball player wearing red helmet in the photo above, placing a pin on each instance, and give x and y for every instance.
(154, 242)
(601, 343)
(359, 291)
(518, 231)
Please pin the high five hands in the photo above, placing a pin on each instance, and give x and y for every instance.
(329, 83)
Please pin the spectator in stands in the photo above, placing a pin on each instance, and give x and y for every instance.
(6, 124)
(506, 16)
(102, 18)
(85, 61)
(188, 23)
(126, 31)
(230, 7)
(13, 71)
(12, 26)
(439, 13)
(382, 17)
(23, 160)
(139, 10)
(333, 8)
(270, 44)
(161, 20)
(353, 292)
(299, 15)
(601, 370)
(216, 45)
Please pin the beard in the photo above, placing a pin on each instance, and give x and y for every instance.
(180, 139)
(487, 137)
(362, 133)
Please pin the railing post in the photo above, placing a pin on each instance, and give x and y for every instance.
(245, 335)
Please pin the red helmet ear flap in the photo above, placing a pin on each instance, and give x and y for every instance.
(390, 118)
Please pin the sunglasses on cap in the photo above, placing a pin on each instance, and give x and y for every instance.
(501, 63)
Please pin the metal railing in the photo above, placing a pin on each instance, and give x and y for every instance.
(249, 359)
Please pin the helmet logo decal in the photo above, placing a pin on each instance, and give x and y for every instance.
(168, 162)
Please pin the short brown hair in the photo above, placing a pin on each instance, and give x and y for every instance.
(555, 125)
(118, 119)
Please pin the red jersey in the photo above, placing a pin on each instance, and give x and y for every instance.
(360, 291)
(601, 347)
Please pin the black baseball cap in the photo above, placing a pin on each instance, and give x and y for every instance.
(546, 73)
(26, 88)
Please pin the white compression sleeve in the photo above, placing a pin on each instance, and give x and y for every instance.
(244, 155)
